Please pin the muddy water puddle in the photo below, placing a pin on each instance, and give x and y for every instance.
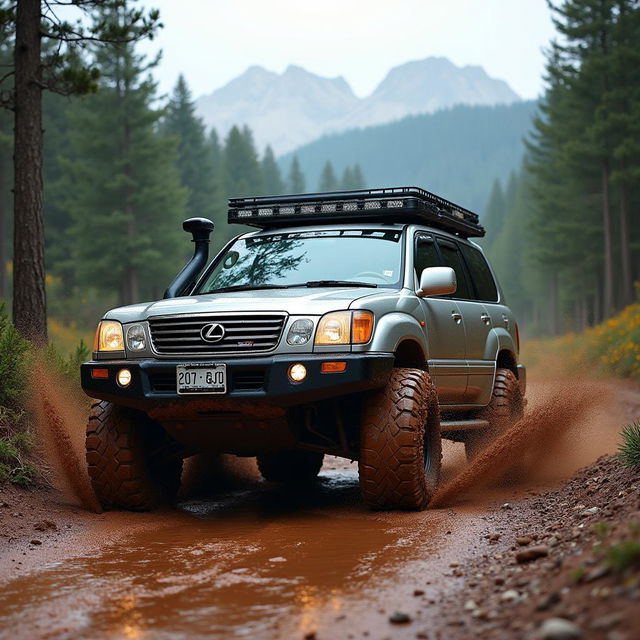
(259, 563)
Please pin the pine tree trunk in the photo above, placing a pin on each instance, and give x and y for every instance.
(608, 256)
(3, 230)
(625, 247)
(29, 296)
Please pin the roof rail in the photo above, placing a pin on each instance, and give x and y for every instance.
(394, 204)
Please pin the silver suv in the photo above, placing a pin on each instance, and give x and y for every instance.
(359, 324)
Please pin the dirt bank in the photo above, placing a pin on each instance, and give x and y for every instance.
(553, 560)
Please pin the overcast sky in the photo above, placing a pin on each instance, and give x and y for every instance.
(213, 41)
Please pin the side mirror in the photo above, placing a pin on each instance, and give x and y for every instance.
(437, 281)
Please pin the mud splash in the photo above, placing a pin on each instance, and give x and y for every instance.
(61, 417)
(543, 445)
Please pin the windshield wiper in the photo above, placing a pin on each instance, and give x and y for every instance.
(309, 284)
(338, 283)
(250, 287)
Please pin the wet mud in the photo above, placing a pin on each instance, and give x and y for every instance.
(240, 558)
(61, 417)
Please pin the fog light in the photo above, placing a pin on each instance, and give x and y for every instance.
(124, 377)
(297, 372)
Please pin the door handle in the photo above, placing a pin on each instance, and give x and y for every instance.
(505, 319)
(456, 316)
(486, 318)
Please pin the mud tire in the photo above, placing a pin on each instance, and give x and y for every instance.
(505, 409)
(128, 461)
(400, 443)
(290, 467)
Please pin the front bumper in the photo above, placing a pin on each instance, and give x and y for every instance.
(264, 380)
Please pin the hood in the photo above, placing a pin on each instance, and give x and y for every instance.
(299, 301)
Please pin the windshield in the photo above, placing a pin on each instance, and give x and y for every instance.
(310, 258)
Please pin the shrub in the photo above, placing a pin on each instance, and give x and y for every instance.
(624, 555)
(610, 348)
(630, 447)
(16, 443)
(13, 368)
(68, 366)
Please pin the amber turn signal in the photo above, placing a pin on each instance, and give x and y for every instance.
(362, 327)
(100, 373)
(333, 367)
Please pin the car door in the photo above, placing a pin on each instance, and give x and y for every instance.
(444, 330)
(477, 324)
(487, 291)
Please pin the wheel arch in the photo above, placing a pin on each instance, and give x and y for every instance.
(410, 354)
(506, 359)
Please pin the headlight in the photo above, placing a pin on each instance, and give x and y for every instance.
(345, 327)
(334, 328)
(136, 339)
(109, 336)
(300, 332)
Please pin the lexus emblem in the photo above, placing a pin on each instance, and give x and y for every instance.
(212, 332)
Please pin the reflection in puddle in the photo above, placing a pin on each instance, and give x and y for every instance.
(260, 563)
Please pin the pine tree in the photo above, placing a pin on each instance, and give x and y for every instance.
(347, 180)
(194, 160)
(359, 181)
(123, 188)
(352, 178)
(295, 179)
(328, 180)
(46, 57)
(244, 177)
(494, 214)
(273, 184)
(6, 173)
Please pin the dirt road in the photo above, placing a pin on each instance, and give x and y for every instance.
(255, 561)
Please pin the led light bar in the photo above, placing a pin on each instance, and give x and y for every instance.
(397, 204)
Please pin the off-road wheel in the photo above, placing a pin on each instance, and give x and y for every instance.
(400, 443)
(290, 467)
(505, 409)
(129, 459)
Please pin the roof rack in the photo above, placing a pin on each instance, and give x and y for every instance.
(395, 204)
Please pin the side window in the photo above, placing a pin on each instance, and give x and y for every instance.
(481, 274)
(452, 257)
(426, 254)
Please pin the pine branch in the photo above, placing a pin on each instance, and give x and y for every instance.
(7, 75)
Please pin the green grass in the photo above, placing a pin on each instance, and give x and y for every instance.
(629, 450)
(624, 555)
(15, 447)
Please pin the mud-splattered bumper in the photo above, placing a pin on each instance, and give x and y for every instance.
(153, 382)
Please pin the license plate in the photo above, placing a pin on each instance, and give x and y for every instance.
(202, 378)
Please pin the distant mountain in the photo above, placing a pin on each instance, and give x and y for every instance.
(425, 86)
(290, 109)
(284, 110)
(456, 152)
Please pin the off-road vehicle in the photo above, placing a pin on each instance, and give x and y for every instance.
(362, 324)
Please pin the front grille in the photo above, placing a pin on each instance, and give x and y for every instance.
(250, 380)
(250, 333)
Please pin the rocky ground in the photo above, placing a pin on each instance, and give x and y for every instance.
(567, 565)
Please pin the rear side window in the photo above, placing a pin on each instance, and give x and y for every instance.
(452, 257)
(481, 274)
